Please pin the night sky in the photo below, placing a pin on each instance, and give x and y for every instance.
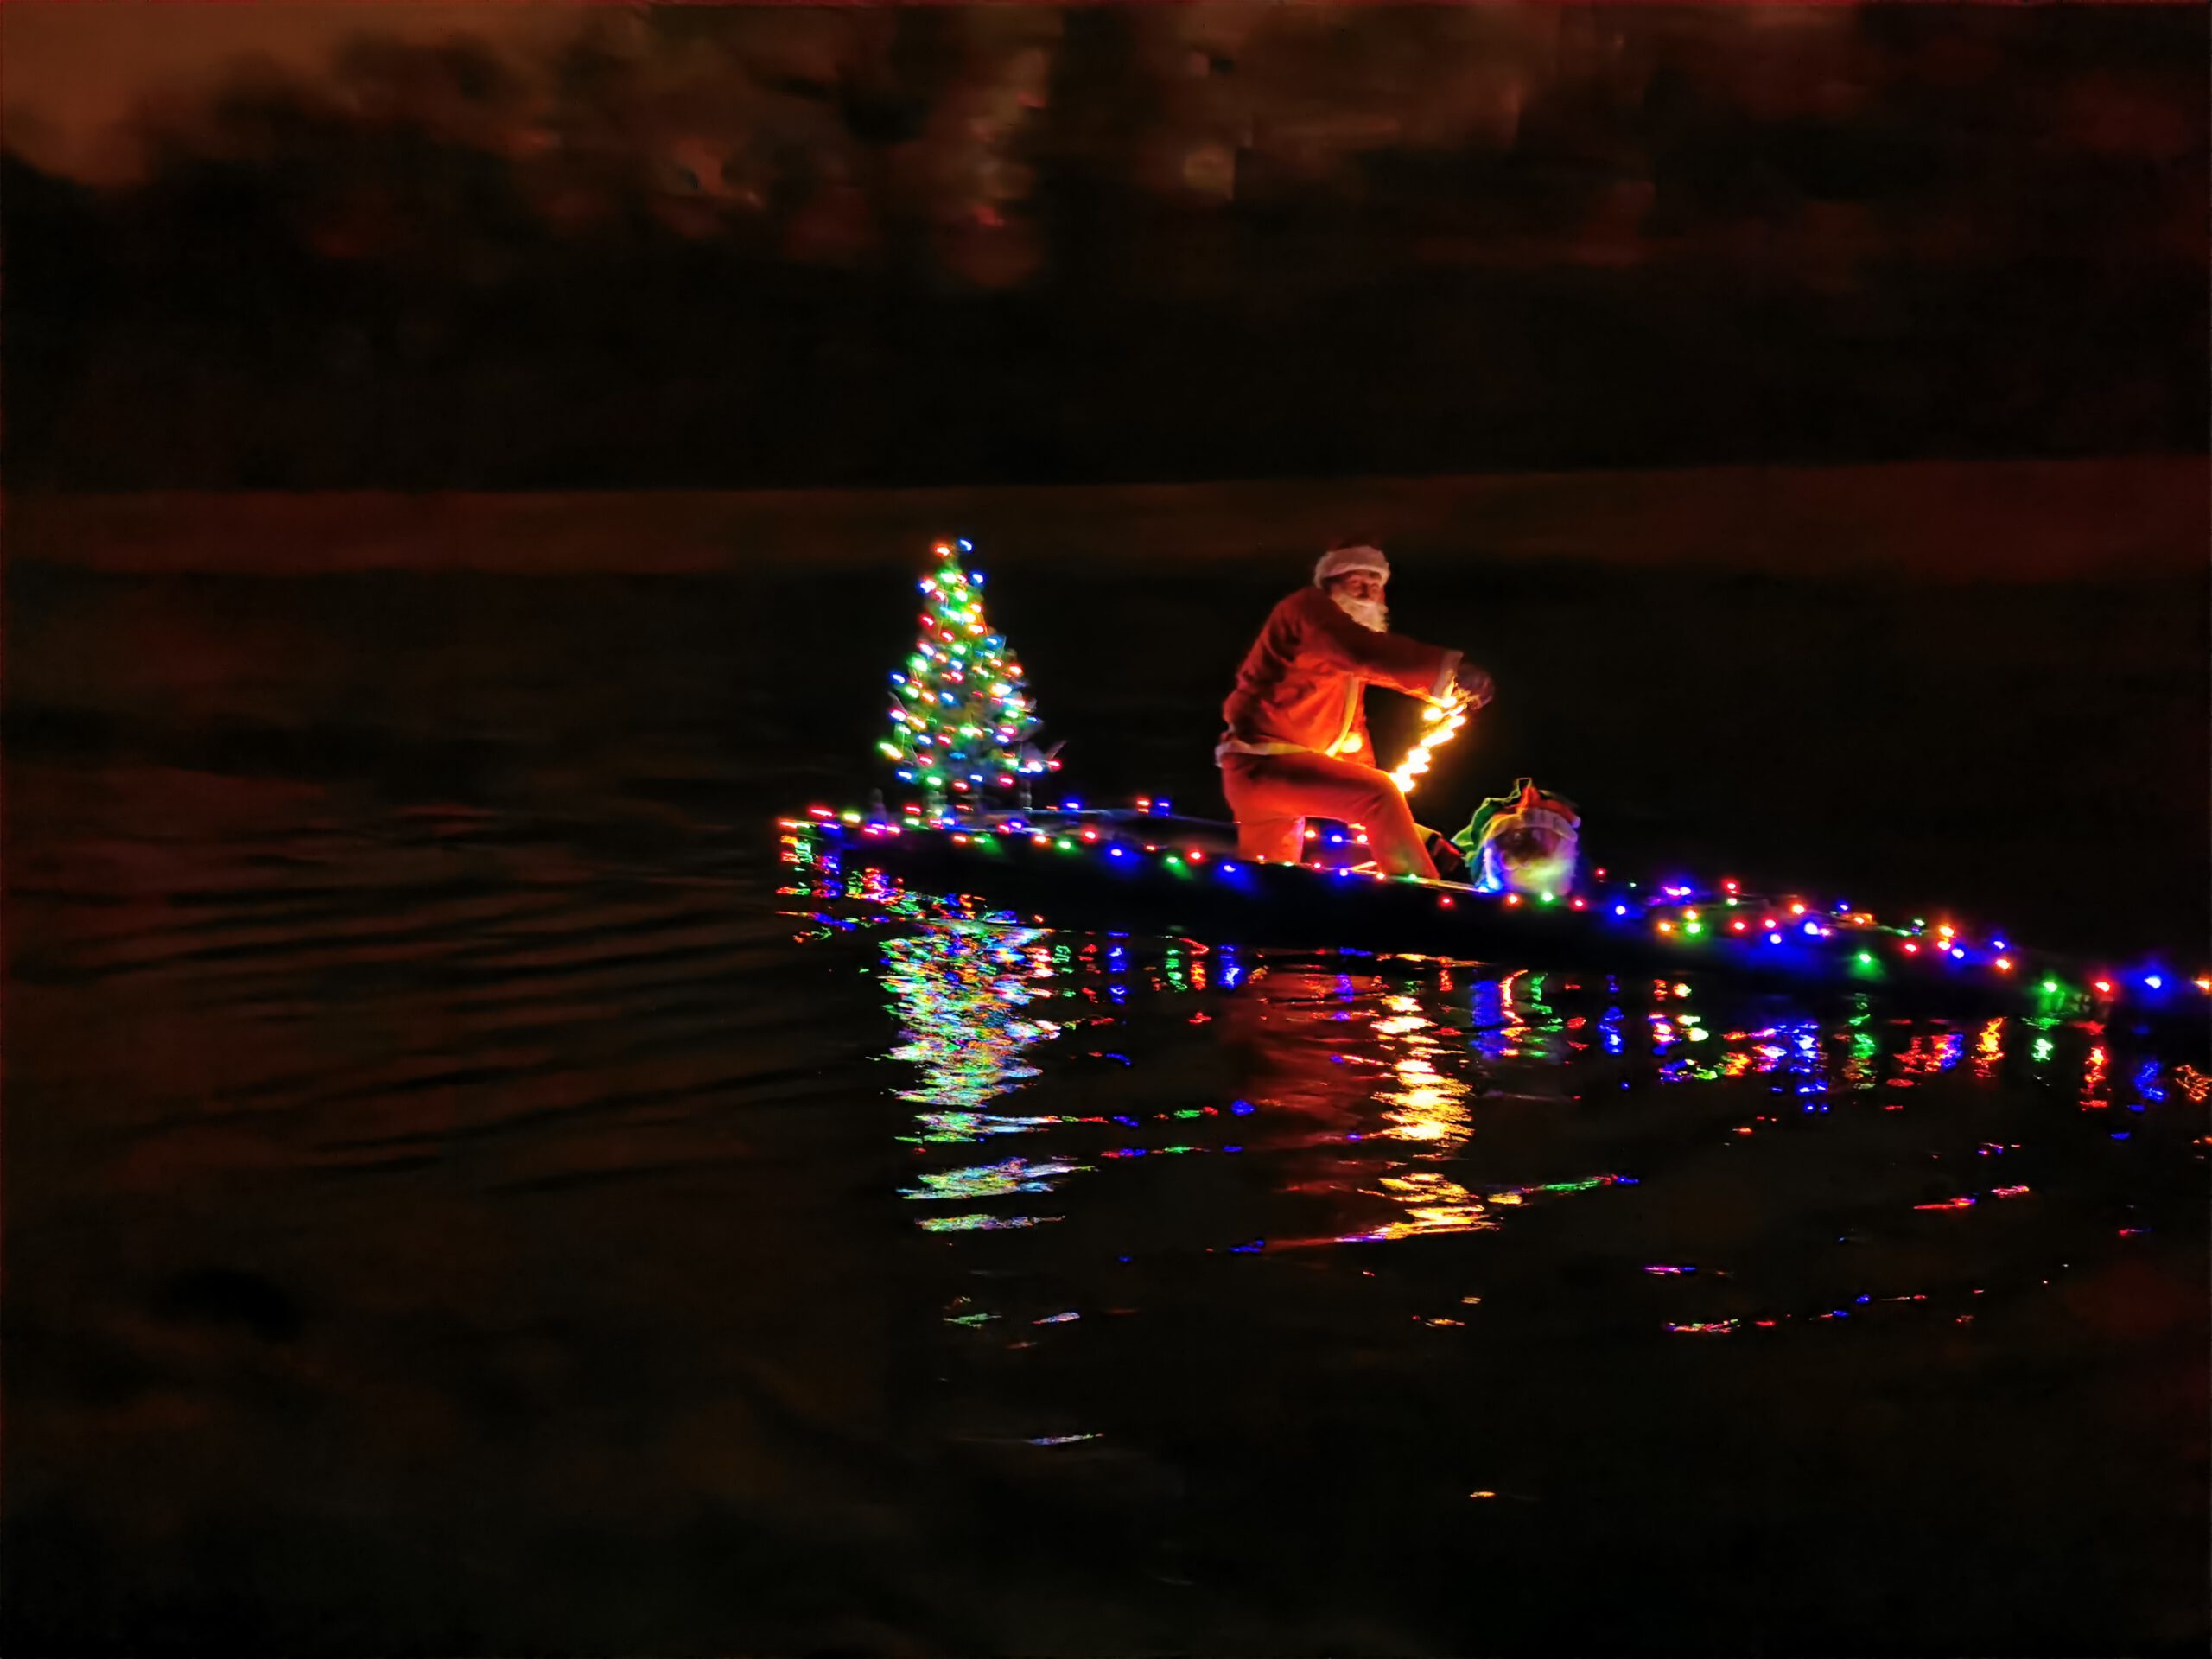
(499, 247)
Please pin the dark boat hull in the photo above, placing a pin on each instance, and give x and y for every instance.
(1136, 872)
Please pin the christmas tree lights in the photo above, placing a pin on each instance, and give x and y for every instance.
(961, 715)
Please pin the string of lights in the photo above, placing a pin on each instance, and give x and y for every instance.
(1720, 929)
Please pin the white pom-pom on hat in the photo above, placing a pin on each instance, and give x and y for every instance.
(1342, 561)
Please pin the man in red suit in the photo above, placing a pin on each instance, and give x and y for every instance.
(1297, 744)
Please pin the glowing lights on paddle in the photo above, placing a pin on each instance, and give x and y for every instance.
(1441, 722)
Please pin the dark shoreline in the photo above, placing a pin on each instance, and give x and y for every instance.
(1940, 522)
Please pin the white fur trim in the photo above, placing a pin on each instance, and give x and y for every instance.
(1238, 745)
(1342, 561)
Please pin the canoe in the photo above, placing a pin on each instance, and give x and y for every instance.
(1147, 870)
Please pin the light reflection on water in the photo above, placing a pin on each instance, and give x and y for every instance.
(1184, 1220)
(1365, 1094)
(961, 992)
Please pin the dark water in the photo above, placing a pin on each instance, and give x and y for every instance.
(464, 1194)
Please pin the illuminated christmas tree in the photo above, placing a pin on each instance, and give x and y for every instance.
(960, 717)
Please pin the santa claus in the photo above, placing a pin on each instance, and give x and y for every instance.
(1297, 744)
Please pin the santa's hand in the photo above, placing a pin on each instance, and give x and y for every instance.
(1472, 688)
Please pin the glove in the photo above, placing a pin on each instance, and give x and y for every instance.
(1471, 686)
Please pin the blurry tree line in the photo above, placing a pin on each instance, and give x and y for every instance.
(739, 249)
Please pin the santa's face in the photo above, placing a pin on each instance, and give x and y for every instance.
(1362, 585)
(1358, 594)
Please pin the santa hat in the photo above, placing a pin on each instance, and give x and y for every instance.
(1342, 561)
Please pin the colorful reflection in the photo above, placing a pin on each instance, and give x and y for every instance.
(1371, 1101)
(962, 991)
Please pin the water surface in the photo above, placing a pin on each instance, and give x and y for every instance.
(466, 1193)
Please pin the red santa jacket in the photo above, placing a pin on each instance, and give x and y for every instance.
(1301, 683)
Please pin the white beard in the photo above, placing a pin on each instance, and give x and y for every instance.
(1370, 613)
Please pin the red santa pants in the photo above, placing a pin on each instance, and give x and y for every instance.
(1272, 795)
